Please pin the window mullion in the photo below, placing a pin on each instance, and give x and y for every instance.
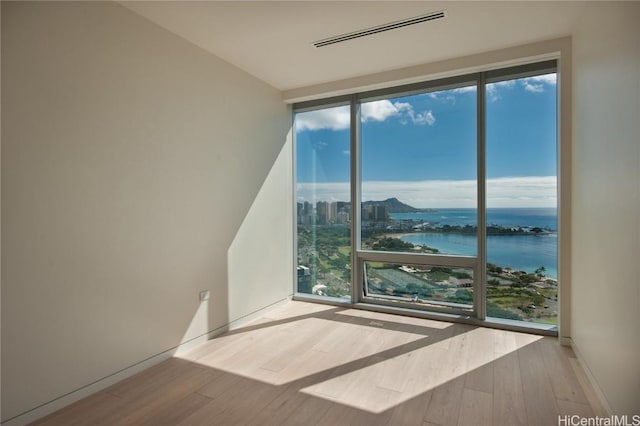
(481, 280)
(356, 270)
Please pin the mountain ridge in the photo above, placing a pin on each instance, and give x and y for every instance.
(396, 206)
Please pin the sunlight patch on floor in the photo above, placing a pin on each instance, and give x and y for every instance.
(390, 382)
(287, 352)
(365, 360)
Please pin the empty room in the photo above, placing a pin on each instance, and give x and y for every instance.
(320, 213)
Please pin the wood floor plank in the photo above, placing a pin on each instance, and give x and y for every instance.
(421, 378)
(508, 398)
(149, 379)
(444, 406)
(309, 412)
(540, 403)
(398, 371)
(342, 379)
(137, 409)
(249, 399)
(296, 342)
(476, 408)
(336, 336)
(568, 408)
(312, 363)
(225, 393)
(480, 364)
(219, 385)
(585, 385)
(244, 358)
(288, 401)
(340, 414)
(88, 411)
(175, 413)
(411, 412)
(211, 346)
(504, 342)
(204, 415)
(308, 364)
(227, 349)
(563, 379)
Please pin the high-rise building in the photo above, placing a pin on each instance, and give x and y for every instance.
(332, 216)
(375, 213)
(380, 213)
(342, 218)
(322, 212)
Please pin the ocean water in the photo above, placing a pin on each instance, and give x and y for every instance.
(540, 217)
(521, 252)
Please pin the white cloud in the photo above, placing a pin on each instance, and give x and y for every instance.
(380, 110)
(430, 193)
(337, 118)
(409, 114)
(426, 117)
(465, 89)
(448, 96)
(545, 78)
(531, 87)
(492, 92)
(504, 83)
(537, 83)
(318, 145)
(326, 191)
(528, 191)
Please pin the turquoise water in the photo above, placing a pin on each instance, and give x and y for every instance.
(540, 217)
(520, 252)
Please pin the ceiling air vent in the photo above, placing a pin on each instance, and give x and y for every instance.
(381, 28)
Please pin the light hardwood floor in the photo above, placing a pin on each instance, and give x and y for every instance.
(310, 364)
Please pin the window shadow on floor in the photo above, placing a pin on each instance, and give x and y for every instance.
(340, 366)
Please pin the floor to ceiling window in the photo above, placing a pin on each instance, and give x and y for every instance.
(439, 196)
(418, 156)
(323, 207)
(521, 188)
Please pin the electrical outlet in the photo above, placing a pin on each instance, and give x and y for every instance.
(204, 295)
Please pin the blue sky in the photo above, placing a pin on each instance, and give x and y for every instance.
(422, 148)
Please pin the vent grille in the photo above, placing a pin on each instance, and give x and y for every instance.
(380, 28)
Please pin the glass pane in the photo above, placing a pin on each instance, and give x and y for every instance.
(323, 202)
(419, 173)
(522, 239)
(427, 286)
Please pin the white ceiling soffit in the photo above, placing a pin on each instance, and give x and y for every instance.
(272, 40)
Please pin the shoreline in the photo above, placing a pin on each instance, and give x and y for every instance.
(520, 234)
(399, 236)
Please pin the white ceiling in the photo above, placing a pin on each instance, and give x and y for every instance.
(272, 40)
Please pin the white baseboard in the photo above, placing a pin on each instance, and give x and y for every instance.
(91, 388)
(590, 377)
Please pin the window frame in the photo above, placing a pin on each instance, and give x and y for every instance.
(477, 263)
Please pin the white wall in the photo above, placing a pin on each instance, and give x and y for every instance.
(606, 200)
(131, 161)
